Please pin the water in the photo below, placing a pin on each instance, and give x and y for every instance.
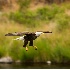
(33, 66)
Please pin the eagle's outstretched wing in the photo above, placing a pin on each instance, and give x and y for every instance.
(19, 33)
(25, 33)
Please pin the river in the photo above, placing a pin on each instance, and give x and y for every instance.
(33, 66)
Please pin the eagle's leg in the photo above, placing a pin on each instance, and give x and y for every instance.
(31, 44)
(25, 43)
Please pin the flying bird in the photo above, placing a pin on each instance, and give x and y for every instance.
(27, 36)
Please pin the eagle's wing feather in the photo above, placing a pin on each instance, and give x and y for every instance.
(19, 33)
(26, 33)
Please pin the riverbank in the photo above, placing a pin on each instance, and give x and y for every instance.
(33, 66)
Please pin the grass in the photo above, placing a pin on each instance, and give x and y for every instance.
(27, 18)
(62, 23)
(54, 47)
(41, 15)
(24, 4)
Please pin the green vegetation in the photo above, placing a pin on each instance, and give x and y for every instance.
(54, 47)
(42, 15)
(23, 4)
(26, 18)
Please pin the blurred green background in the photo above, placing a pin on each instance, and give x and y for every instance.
(36, 15)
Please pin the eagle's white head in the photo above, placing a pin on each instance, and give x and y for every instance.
(38, 33)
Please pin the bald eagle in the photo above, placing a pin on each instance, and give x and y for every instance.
(27, 36)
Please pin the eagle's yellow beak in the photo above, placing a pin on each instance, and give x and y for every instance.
(42, 33)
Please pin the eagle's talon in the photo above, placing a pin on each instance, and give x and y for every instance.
(35, 47)
(26, 49)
